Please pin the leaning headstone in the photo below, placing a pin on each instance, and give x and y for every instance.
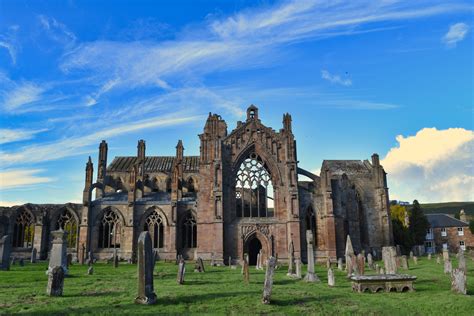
(298, 268)
(310, 275)
(339, 264)
(389, 257)
(267, 287)
(55, 281)
(361, 263)
(33, 255)
(146, 292)
(199, 266)
(370, 261)
(181, 272)
(448, 266)
(415, 260)
(21, 262)
(291, 263)
(245, 269)
(331, 280)
(404, 262)
(459, 281)
(445, 254)
(5, 251)
(116, 258)
(58, 256)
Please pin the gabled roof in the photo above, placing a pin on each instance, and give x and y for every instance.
(444, 220)
(154, 164)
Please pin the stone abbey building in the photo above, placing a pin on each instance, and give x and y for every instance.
(242, 194)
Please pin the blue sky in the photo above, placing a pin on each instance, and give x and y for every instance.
(358, 77)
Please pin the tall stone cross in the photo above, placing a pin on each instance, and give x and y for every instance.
(5, 251)
(267, 286)
(146, 292)
(310, 275)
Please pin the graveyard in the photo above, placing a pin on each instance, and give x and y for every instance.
(222, 290)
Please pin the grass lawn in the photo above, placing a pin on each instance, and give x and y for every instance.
(221, 290)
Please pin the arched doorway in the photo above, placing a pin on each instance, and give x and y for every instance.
(254, 247)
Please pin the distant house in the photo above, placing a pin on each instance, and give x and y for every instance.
(447, 232)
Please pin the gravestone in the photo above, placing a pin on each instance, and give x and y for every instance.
(245, 269)
(55, 281)
(355, 265)
(411, 255)
(349, 250)
(291, 263)
(331, 280)
(195, 254)
(33, 255)
(230, 261)
(116, 258)
(5, 251)
(415, 260)
(181, 271)
(310, 275)
(429, 256)
(339, 264)
(445, 254)
(448, 266)
(370, 261)
(438, 259)
(90, 270)
(298, 268)
(213, 263)
(58, 256)
(129, 261)
(377, 268)
(267, 286)
(389, 257)
(21, 262)
(82, 254)
(258, 262)
(328, 263)
(349, 266)
(404, 262)
(361, 263)
(382, 271)
(461, 261)
(459, 281)
(199, 266)
(146, 292)
(68, 260)
(90, 258)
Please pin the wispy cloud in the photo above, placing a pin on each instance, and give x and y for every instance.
(356, 104)
(9, 42)
(20, 95)
(456, 33)
(13, 178)
(15, 135)
(57, 31)
(326, 75)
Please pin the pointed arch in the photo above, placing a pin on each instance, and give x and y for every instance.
(67, 220)
(189, 230)
(24, 228)
(154, 221)
(110, 223)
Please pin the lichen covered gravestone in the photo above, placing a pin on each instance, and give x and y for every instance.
(55, 281)
(361, 263)
(146, 292)
(404, 262)
(462, 261)
(445, 254)
(389, 257)
(298, 268)
(5, 251)
(370, 261)
(459, 281)
(267, 287)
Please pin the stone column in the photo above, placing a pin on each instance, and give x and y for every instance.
(5, 251)
(267, 287)
(310, 275)
(55, 281)
(58, 256)
(82, 254)
(146, 293)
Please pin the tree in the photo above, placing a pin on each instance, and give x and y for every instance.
(418, 224)
(401, 235)
(398, 212)
(471, 225)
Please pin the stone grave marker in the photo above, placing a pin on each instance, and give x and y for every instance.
(389, 257)
(291, 262)
(349, 249)
(298, 268)
(382, 271)
(230, 261)
(5, 251)
(199, 266)
(331, 279)
(361, 263)
(267, 287)
(55, 281)
(445, 254)
(411, 255)
(116, 258)
(429, 256)
(58, 256)
(310, 275)
(245, 269)
(146, 292)
(355, 265)
(349, 266)
(370, 261)
(33, 255)
(415, 260)
(257, 264)
(459, 281)
(339, 264)
(448, 267)
(181, 271)
(404, 262)
(438, 259)
(461, 261)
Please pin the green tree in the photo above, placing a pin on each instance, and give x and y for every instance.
(471, 225)
(418, 224)
(398, 212)
(401, 235)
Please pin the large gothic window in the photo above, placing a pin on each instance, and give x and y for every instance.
(154, 225)
(24, 230)
(67, 222)
(254, 189)
(109, 230)
(189, 231)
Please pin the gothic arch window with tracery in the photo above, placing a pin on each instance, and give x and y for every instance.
(24, 230)
(109, 230)
(67, 222)
(154, 225)
(253, 189)
(189, 231)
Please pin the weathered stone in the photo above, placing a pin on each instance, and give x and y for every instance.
(199, 266)
(438, 259)
(445, 254)
(291, 260)
(339, 264)
(370, 261)
(213, 263)
(448, 267)
(55, 281)
(5, 251)
(389, 257)
(415, 260)
(68, 260)
(349, 266)
(349, 250)
(146, 293)
(258, 262)
(355, 265)
(245, 269)
(33, 255)
(21, 262)
(230, 261)
(361, 263)
(58, 256)
(267, 287)
(82, 254)
(328, 263)
(398, 249)
(404, 262)
(310, 275)
(331, 279)
(90, 258)
(461, 261)
(116, 258)
(459, 281)
(429, 256)
(383, 283)
(411, 255)
(129, 261)
(377, 268)
(90, 270)
(298, 268)
(181, 272)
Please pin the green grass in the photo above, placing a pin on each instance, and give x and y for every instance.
(221, 290)
(448, 208)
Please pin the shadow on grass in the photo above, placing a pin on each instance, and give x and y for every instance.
(302, 301)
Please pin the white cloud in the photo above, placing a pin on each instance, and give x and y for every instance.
(456, 33)
(326, 75)
(19, 95)
(11, 50)
(13, 178)
(57, 31)
(14, 135)
(432, 166)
